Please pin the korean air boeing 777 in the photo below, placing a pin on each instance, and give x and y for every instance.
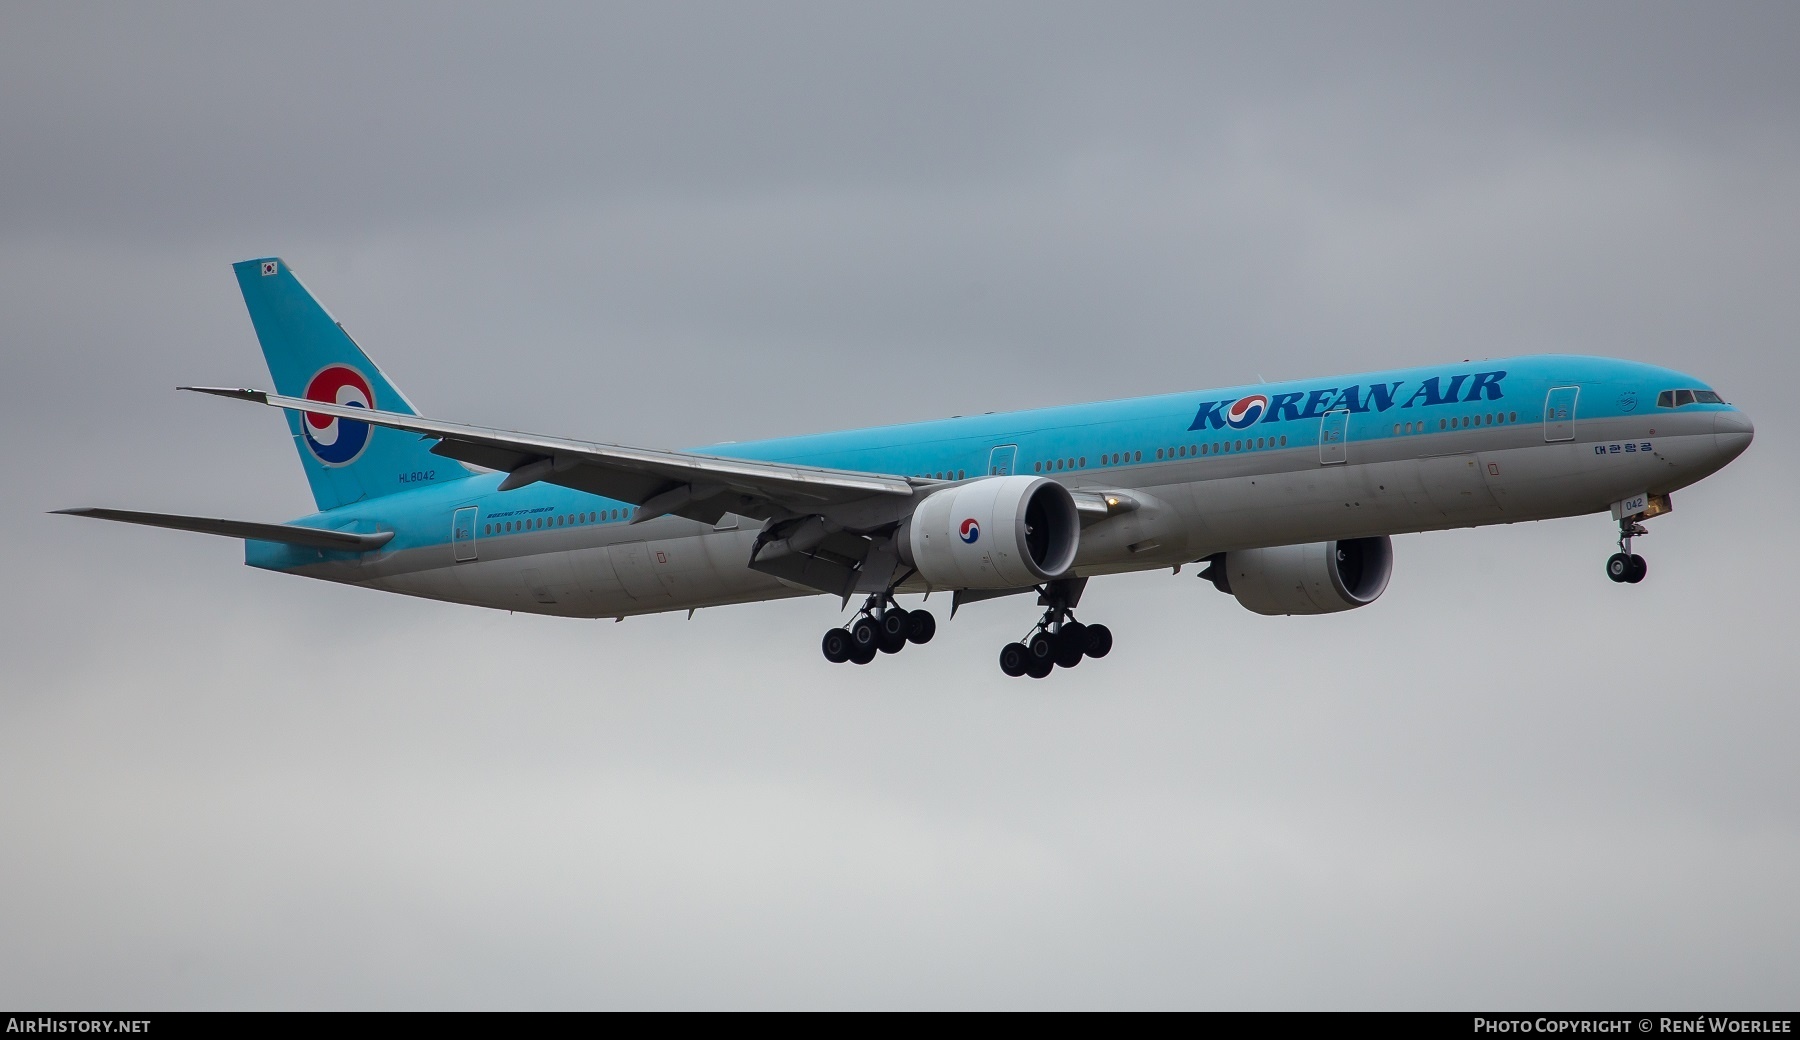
(1288, 492)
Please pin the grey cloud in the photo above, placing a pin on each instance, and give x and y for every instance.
(1508, 783)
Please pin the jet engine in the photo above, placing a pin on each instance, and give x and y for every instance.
(1317, 578)
(993, 533)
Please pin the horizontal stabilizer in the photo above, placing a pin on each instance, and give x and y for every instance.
(312, 537)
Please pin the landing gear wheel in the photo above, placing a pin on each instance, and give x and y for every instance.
(896, 623)
(862, 655)
(1099, 641)
(866, 633)
(1014, 659)
(1040, 668)
(1042, 647)
(836, 646)
(1071, 644)
(1619, 567)
(1639, 569)
(921, 626)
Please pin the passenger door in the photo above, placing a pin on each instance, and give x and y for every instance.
(1559, 413)
(462, 534)
(1334, 431)
(1002, 459)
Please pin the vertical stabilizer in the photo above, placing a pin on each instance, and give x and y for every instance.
(310, 355)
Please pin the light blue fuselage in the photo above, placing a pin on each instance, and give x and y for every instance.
(1377, 454)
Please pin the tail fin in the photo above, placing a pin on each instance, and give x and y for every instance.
(310, 355)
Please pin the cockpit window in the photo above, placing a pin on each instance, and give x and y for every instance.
(1677, 398)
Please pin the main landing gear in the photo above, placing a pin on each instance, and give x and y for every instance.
(880, 627)
(1058, 639)
(1624, 565)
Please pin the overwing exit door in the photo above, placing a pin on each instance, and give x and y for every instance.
(1002, 459)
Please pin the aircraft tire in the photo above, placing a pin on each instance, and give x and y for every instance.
(1071, 644)
(862, 655)
(836, 646)
(921, 627)
(1041, 647)
(896, 623)
(1640, 568)
(1014, 659)
(866, 633)
(1099, 641)
(1618, 567)
(1040, 667)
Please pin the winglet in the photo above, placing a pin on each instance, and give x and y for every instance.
(257, 396)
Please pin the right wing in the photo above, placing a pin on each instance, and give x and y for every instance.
(700, 487)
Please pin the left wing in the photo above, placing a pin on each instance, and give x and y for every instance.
(700, 487)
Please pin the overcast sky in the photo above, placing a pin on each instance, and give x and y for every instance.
(1508, 783)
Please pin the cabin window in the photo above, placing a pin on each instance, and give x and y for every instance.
(1083, 462)
(1159, 453)
(959, 474)
(1512, 416)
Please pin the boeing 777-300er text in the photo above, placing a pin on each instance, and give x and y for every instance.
(1288, 492)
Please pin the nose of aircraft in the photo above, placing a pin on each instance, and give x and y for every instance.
(1732, 432)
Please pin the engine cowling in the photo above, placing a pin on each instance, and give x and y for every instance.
(1316, 578)
(993, 533)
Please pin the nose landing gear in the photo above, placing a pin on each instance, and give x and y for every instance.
(881, 627)
(1624, 565)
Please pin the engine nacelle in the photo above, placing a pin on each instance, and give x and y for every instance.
(993, 533)
(1317, 578)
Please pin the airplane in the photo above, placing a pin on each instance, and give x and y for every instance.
(1288, 494)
